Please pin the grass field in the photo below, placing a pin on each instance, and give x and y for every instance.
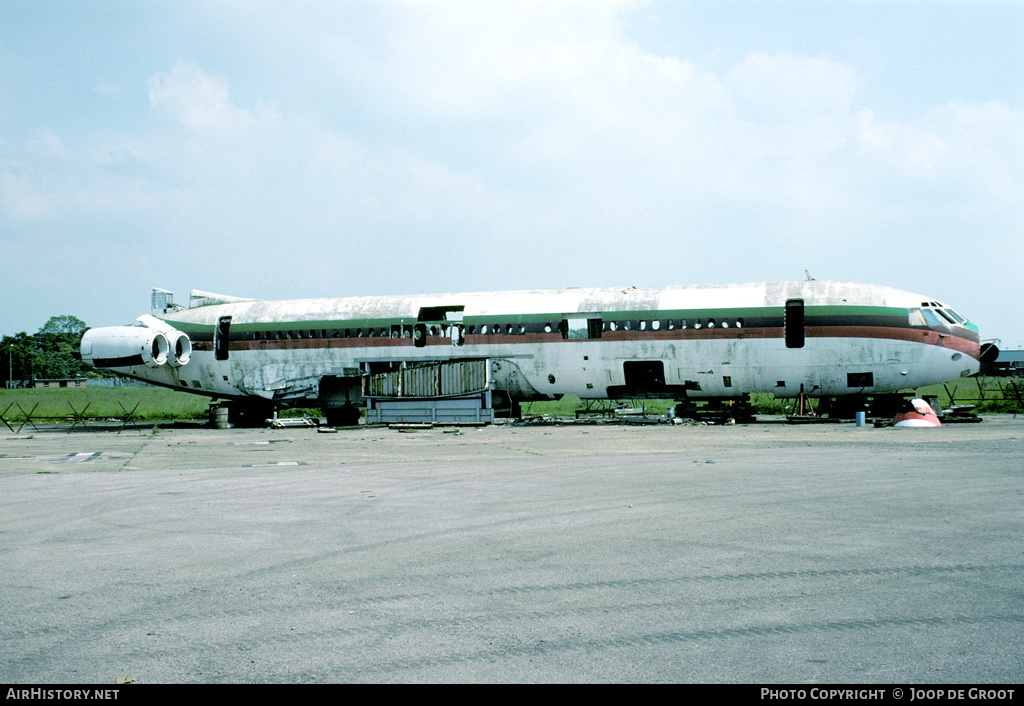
(990, 395)
(567, 406)
(154, 403)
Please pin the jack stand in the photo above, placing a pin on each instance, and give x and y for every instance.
(804, 406)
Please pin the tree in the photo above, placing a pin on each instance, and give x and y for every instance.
(51, 353)
(57, 345)
(19, 356)
(67, 326)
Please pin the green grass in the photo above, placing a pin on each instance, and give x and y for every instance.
(764, 403)
(567, 406)
(989, 395)
(154, 403)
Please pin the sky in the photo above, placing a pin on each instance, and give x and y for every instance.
(298, 148)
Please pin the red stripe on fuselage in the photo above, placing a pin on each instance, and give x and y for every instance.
(951, 341)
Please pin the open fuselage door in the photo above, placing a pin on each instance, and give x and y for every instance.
(434, 321)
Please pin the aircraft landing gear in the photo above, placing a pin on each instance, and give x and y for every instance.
(344, 416)
(740, 410)
(242, 415)
(248, 415)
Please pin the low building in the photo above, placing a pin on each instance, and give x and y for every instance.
(1007, 363)
(58, 382)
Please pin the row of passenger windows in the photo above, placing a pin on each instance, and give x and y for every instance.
(581, 327)
(371, 332)
(592, 326)
(407, 331)
(671, 324)
(404, 331)
(398, 331)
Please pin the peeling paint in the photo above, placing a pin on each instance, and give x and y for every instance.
(726, 340)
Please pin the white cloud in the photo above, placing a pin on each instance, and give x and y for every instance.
(535, 142)
(792, 88)
(473, 58)
(19, 200)
(195, 100)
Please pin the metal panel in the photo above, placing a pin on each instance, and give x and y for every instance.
(473, 409)
(453, 378)
(384, 384)
(462, 377)
(420, 381)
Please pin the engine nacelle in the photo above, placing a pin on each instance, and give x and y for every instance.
(179, 342)
(989, 352)
(125, 347)
(181, 346)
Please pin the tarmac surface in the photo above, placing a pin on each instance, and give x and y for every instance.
(762, 553)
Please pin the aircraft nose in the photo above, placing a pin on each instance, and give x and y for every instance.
(971, 337)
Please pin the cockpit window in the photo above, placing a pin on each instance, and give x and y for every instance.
(934, 316)
(930, 317)
(956, 317)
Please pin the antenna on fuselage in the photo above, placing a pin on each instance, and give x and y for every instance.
(808, 273)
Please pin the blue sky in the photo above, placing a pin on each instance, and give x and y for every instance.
(306, 149)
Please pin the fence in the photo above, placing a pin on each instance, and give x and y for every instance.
(75, 417)
(990, 394)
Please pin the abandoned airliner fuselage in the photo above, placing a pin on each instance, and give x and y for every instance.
(697, 342)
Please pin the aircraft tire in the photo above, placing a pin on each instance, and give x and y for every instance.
(347, 416)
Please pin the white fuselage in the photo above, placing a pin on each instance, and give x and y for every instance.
(818, 338)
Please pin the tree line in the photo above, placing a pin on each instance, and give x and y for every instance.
(51, 353)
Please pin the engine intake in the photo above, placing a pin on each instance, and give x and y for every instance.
(182, 347)
(989, 353)
(128, 346)
(179, 341)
